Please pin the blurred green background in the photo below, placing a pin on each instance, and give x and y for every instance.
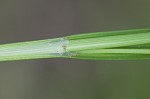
(25, 20)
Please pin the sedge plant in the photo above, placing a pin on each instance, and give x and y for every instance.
(112, 45)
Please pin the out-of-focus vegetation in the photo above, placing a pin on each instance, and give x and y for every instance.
(25, 20)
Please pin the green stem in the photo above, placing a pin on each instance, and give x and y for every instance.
(109, 42)
(126, 44)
